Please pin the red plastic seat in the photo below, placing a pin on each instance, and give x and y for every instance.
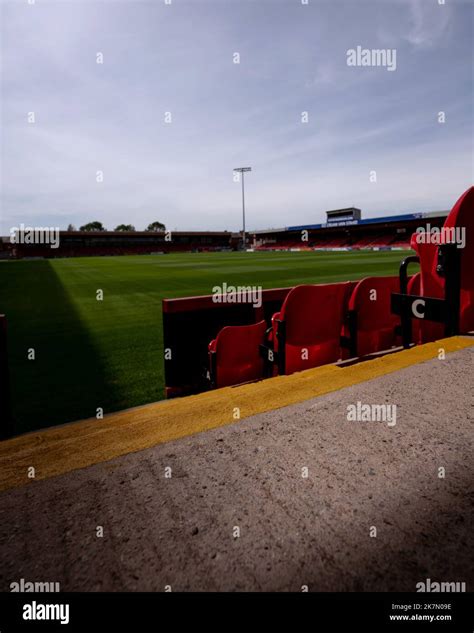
(371, 300)
(432, 284)
(237, 354)
(311, 318)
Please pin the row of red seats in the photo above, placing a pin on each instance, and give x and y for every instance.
(315, 326)
(379, 240)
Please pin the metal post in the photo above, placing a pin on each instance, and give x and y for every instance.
(242, 170)
(243, 211)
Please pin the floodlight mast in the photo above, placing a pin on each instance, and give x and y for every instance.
(242, 170)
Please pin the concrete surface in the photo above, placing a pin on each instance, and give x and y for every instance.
(294, 531)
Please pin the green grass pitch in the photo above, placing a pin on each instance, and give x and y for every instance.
(109, 353)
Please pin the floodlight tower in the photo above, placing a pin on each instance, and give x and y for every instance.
(242, 170)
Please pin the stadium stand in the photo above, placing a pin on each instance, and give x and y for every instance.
(351, 233)
(102, 243)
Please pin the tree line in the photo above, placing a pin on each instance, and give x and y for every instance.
(157, 227)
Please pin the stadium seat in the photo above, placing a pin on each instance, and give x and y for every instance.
(235, 354)
(432, 284)
(307, 331)
(375, 325)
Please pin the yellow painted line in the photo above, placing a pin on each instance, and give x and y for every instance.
(62, 449)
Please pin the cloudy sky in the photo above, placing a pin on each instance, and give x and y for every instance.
(179, 58)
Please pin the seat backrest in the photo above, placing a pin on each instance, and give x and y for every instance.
(371, 300)
(313, 316)
(237, 349)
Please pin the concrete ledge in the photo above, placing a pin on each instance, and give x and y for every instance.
(62, 449)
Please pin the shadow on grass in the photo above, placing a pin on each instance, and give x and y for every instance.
(67, 379)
